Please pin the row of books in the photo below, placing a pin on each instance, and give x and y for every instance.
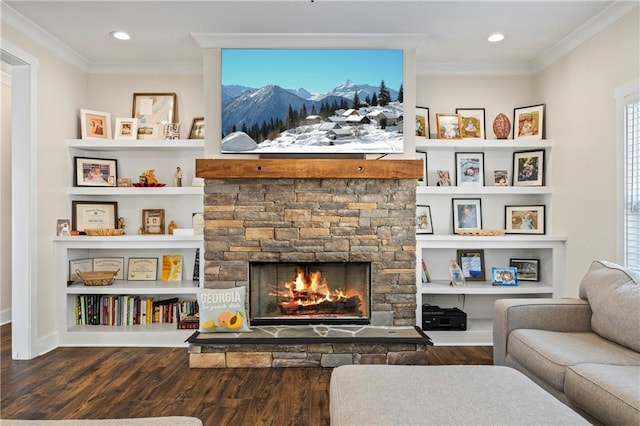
(94, 309)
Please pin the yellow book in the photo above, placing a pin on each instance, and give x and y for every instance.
(171, 267)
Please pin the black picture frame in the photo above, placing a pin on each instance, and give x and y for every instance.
(424, 225)
(472, 264)
(423, 126)
(469, 168)
(97, 214)
(528, 269)
(529, 122)
(95, 171)
(424, 181)
(529, 168)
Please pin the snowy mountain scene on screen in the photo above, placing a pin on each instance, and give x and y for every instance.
(312, 101)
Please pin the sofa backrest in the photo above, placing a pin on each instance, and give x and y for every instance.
(613, 293)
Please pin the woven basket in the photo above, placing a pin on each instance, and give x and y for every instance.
(104, 232)
(481, 232)
(97, 278)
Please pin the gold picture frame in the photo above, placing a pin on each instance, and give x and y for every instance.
(153, 111)
(153, 221)
(448, 126)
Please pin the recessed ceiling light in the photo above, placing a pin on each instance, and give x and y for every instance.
(120, 35)
(496, 37)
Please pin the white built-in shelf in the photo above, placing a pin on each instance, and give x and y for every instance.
(485, 287)
(483, 190)
(165, 190)
(121, 287)
(479, 332)
(517, 239)
(136, 145)
(145, 238)
(480, 144)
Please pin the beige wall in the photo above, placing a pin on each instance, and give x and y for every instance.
(5, 196)
(579, 93)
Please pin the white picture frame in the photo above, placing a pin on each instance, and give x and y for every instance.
(95, 124)
(126, 128)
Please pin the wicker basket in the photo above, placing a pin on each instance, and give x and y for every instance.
(481, 232)
(97, 278)
(104, 232)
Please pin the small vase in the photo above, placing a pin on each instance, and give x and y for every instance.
(501, 126)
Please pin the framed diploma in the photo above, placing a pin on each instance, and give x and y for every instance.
(110, 264)
(82, 265)
(93, 215)
(142, 268)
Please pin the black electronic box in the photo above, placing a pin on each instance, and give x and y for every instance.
(437, 318)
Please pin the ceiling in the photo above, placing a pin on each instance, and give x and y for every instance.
(449, 36)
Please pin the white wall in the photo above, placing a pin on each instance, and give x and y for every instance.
(579, 93)
(5, 198)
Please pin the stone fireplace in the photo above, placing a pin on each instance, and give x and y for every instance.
(266, 219)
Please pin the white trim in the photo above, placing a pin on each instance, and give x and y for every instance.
(48, 343)
(5, 78)
(5, 316)
(36, 33)
(148, 68)
(24, 200)
(589, 29)
(459, 68)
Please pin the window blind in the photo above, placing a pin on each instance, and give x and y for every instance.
(632, 185)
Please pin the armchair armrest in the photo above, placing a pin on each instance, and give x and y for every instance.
(570, 315)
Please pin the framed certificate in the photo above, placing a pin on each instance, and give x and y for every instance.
(110, 264)
(93, 215)
(81, 265)
(142, 269)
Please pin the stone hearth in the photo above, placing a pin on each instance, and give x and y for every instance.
(315, 211)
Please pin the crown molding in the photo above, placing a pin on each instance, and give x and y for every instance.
(146, 68)
(461, 68)
(309, 40)
(604, 19)
(28, 28)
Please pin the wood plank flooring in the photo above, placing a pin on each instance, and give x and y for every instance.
(98, 383)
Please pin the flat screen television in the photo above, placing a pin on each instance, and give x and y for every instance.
(319, 101)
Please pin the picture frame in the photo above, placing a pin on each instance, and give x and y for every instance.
(504, 276)
(142, 269)
(528, 269)
(444, 179)
(528, 122)
(528, 168)
(472, 123)
(527, 219)
(469, 168)
(153, 111)
(95, 171)
(110, 264)
(197, 128)
(126, 128)
(153, 221)
(93, 215)
(472, 264)
(448, 126)
(63, 228)
(500, 178)
(422, 122)
(426, 277)
(197, 223)
(423, 156)
(424, 225)
(467, 214)
(455, 274)
(171, 131)
(79, 265)
(95, 124)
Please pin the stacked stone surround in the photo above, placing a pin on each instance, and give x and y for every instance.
(315, 220)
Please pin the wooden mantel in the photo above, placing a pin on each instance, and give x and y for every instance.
(308, 169)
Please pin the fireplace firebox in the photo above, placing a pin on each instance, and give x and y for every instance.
(309, 293)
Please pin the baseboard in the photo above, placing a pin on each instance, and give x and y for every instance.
(5, 316)
(47, 343)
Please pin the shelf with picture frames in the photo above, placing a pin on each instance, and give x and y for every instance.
(438, 244)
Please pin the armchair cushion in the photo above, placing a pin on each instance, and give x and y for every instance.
(614, 296)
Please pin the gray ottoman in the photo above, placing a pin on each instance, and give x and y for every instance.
(442, 395)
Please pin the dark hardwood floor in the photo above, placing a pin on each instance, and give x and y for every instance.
(75, 383)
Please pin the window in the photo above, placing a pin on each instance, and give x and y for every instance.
(631, 178)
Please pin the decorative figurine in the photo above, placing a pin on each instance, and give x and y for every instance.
(172, 226)
(121, 224)
(150, 177)
(178, 177)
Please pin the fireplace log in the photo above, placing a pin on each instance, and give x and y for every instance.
(348, 305)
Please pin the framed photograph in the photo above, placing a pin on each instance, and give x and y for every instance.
(423, 156)
(524, 219)
(95, 171)
(63, 228)
(142, 269)
(171, 131)
(423, 220)
(197, 223)
(528, 269)
(95, 124)
(472, 264)
(501, 178)
(455, 274)
(467, 214)
(528, 122)
(448, 126)
(197, 128)
(426, 278)
(444, 179)
(507, 276)
(422, 122)
(94, 215)
(528, 168)
(153, 221)
(469, 169)
(472, 123)
(110, 264)
(153, 111)
(126, 128)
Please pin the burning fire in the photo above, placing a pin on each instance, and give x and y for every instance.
(310, 292)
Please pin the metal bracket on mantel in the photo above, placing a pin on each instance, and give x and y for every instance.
(208, 168)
